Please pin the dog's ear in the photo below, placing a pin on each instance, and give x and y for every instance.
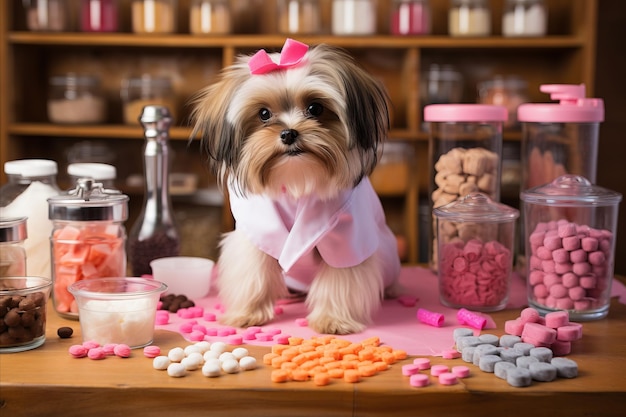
(210, 121)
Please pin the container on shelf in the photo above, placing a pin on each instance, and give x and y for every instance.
(207, 17)
(465, 152)
(469, 18)
(475, 265)
(524, 18)
(30, 182)
(104, 174)
(510, 92)
(146, 90)
(410, 17)
(48, 15)
(440, 84)
(391, 176)
(88, 239)
(354, 17)
(13, 233)
(98, 15)
(570, 230)
(154, 16)
(76, 99)
(299, 17)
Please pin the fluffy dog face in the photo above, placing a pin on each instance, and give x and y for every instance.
(314, 128)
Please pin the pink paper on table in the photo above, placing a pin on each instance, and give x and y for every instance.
(395, 324)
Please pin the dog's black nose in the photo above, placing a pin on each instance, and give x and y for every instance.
(288, 136)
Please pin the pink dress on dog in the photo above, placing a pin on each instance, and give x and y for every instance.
(303, 233)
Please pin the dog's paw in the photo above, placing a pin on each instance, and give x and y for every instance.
(246, 318)
(332, 325)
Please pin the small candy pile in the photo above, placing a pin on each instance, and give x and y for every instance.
(443, 373)
(569, 264)
(93, 350)
(513, 358)
(324, 358)
(173, 302)
(213, 359)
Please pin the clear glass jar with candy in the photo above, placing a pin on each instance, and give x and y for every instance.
(154, 16)
(570, 230)
(48, 15)
(354, 17)
(299, 17)
(410, 17)
(524, 18)
(465, 153)
(88, 239)
(210, 17)
(13, 233)
(469, 18)
(98, 15)
(476, 238)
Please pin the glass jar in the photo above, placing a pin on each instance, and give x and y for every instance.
(299, 17)
(154, 16)
(210, 17)
(76, 99)
(88, 239)
(469, 18)
(30, 182)
(475, 244)
(13, 233)
(146, 90)
(465, 152)
(98, 15)
(510, 92)
(440, 84)
(104, 174)
(353, 17)
(571, 226)
(410, 17)
(47, 15)
(524, 18)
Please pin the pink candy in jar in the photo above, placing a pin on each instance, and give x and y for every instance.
(475, 237)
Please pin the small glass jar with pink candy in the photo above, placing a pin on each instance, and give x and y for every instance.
(475, 238)
(570, 229)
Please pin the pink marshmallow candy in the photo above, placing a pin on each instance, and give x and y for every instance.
(429, 317)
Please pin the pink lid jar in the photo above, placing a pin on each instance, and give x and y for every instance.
(465, 153)
(560, 138)
(410, 17)
(98, 15)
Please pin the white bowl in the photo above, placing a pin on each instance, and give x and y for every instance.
(187, 275)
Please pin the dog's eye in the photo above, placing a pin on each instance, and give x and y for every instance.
(315, 109)
(265, 114)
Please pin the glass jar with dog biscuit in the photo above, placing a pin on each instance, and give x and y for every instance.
(475, 238)
(465, 150)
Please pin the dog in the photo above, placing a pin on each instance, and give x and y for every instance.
(293, 137)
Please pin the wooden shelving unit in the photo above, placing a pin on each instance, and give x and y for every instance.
(28, 59)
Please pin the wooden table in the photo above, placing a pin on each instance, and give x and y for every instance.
(48, 382)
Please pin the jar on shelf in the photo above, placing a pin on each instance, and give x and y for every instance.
(88, 239)
(475, 261)
(440, 84)
(48, 15)
(353, 17)
(392, 173)
(30, 182)
(208, 17)
(469, 18)
(146, 90)
(76, 99)
(570, 230)
(299, 17)
(13, 233)
(410, 17)
(509, 92)
(98, 15)
(465, 150)
(524, 18)
(154, 16)
(104, 174)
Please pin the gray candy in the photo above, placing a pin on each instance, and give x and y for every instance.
(518, 377)
(511, 355)
(509, 340)
(461, 332)
(525, 361)
(542, 371)
(500, 369)
(465, 341)
(482, 350)
(468, 353)
(487, 363)
(490, 339)
(544, 354)
(523, 347)
(565, 368)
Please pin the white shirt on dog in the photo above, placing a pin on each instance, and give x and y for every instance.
(345, 231)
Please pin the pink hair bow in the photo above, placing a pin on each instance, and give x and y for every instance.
(290, 56)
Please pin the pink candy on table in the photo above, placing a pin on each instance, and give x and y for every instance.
(474, 274)
(430, 317)
(151, 351)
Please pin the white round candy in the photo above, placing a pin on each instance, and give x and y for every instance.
(247, 363)
(209, 354)
(161, 363)
(240, 352)
(176, 370)
(176, 355)
(227, 355)
(191, 349)
(212, 369)
(218, 347)
(230, 366)
(193, 362)
(203, 346)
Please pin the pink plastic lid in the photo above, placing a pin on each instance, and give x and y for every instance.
(465, 113)
(572, 107)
